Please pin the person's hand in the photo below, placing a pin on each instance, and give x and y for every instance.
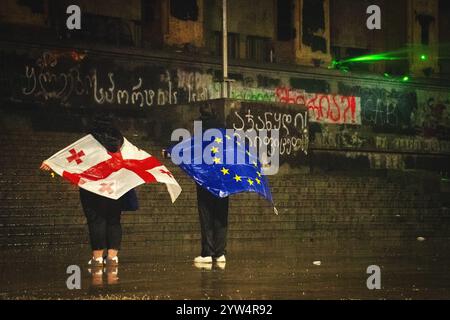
(45, 167)
(165, 154)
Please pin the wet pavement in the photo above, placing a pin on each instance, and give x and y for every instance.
(283, 269)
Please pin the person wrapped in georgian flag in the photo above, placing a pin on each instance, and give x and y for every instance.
(107, 168)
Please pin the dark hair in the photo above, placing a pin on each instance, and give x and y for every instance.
(104, 131)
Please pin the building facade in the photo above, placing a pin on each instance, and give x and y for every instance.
(144, 60)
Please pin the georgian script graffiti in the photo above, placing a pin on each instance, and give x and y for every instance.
(324, 108)
(384, 108)
(44, 81)
(254, 94)
(56, 77)
(136, 96)
(293, 132)
(61, 86)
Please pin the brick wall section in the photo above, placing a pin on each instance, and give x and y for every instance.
(36, 210)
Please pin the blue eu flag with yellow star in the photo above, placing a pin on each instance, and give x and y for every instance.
(221, 163)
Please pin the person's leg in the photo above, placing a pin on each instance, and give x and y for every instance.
(97, 232)
(205, 209)
(97, 254)
(96, 223)
(113, 232)
(220, 226)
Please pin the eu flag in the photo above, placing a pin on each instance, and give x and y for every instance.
(222, 164)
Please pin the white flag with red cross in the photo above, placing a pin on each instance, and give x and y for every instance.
(89, 165)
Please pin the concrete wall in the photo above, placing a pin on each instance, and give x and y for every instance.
(130, 10)
(318, 26)
(348, 25)
(187, 30)
(423, 32)
(245, 17)
(359, 114)
(377, 148)
(14, 13)
(38, 211)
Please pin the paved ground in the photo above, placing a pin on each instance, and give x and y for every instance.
(254, 270)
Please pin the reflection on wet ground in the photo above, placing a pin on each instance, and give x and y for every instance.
(270, 269)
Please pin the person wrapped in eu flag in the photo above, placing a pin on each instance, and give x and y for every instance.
(221, 165)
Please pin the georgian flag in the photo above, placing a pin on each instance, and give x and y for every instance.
(89, 165)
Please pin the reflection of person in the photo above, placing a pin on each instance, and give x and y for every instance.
(98, 274)
(103, 214)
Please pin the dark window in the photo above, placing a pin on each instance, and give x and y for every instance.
(148, 11)
(184, 9)
(106, 30)
(36, 6)
(425, 22)
(233, 44)
(258, 48)
(285, 26)
(444, 38)
(313, 20)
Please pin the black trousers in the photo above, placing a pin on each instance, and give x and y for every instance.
(103, 219)
(213, 214)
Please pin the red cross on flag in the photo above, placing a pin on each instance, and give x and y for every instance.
(89, 165)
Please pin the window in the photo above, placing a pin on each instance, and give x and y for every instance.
(148, 11)
(233, 45)
(105, 30)
(184, 9)
(285, 27)
(444, 37)
(36, 6)
(258, 48)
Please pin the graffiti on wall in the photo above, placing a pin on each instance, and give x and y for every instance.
(339, 137)
(351, 138)
(386, 108)
(292, 125)
(433, 117)
(73, 78)
(51, 79)
(402, 110)
(323, 108)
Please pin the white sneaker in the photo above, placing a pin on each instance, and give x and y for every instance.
(221, 259)
(203, 266)
(112, 262)
(96, 262)
(201, 259)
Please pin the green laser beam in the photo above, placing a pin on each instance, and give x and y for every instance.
(397, 55)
